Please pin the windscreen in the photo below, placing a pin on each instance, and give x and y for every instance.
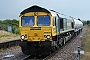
(43, 20)
(27, 21)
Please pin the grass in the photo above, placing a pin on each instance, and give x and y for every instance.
(4, 36)
(86, 44)
(1, 50)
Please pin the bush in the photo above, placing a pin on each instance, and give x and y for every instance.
(17, 31)
(14, 23)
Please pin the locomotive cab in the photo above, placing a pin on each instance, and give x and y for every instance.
(35, 31)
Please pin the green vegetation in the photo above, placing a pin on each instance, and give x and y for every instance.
(86, 22)
(14, 23)
(86, 44)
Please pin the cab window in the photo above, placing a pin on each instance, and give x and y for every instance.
(27, 21)
(43, 20)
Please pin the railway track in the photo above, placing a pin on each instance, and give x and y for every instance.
(10, 43)
(48, 57)
(67, 52)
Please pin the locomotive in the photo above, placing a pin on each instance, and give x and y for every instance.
(43, 31)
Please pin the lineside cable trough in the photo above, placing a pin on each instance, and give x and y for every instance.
(7, 44)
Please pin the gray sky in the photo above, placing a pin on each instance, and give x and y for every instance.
(10, 9)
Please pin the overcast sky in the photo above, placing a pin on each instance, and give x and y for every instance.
(10, 9)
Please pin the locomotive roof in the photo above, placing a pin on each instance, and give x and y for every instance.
(34, 8)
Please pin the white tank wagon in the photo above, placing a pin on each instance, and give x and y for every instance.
(78, 25)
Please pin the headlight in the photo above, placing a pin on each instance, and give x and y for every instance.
(22, 37)
(48, 36)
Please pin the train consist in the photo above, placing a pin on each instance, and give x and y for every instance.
(43, 31)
